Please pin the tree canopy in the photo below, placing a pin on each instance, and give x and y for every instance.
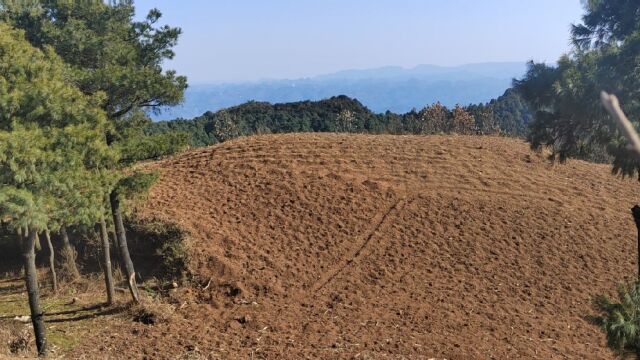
(569, 118)
(51, 138)
(113, 58)
(107, 49)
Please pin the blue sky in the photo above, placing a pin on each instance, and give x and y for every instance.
(244, 40)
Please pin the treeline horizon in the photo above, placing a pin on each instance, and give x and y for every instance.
(507, 115)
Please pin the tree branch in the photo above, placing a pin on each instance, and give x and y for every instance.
(136, 102)
(611, 103)
(120, 112)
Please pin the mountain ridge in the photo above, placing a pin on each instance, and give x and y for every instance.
(389, 88)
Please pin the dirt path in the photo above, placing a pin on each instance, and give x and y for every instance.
(381, 221)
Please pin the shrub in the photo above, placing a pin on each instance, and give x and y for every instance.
(621, 320)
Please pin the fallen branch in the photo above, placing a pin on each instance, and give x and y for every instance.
(611, 103)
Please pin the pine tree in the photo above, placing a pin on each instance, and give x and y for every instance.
(110, 54)
(569, 119)
(49, 136)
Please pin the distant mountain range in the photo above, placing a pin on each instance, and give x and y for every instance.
(390, 88)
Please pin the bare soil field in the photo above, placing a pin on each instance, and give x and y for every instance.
(384, 247)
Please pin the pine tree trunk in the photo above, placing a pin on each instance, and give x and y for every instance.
(116, 247)
(636, 216)
(124, 248)
(31, 280)
(37, 245)
(69, 255)
(106, 256)
(52, 261)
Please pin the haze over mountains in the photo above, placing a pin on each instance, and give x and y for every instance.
(387, 88)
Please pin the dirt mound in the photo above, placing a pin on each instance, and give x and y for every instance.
(338, 246)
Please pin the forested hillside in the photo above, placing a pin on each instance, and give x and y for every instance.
(507, 115)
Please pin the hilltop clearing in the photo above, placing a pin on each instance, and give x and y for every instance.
(343, 246)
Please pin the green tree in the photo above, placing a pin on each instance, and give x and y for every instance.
(108, 51)
(620, 320)
(34, 176)
(82, 201)
(565, 98)
(50, 137)
(111, 54)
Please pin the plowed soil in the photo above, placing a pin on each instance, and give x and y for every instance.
(353, 246)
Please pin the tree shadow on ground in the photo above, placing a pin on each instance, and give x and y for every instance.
(92, 313)
(11, 289)
(75, 311)
(4, 281)
(104, 312)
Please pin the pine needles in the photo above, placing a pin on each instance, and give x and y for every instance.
(620, 320)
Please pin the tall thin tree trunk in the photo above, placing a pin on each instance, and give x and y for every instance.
(636, 216)
(31, 280)
(112, 234)
(111, 229)
(52, 261)
(106, 256)
(69, 254)
(122, 244)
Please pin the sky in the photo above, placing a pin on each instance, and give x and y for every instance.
(249, 40)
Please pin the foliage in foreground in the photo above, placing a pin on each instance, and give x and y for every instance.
(621, 320)
(566, 98)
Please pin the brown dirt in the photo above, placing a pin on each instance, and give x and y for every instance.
(353, 246)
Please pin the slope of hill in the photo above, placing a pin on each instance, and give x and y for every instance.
(390, 88)
(343, 246)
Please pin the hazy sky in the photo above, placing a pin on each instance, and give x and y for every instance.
(238, 40)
